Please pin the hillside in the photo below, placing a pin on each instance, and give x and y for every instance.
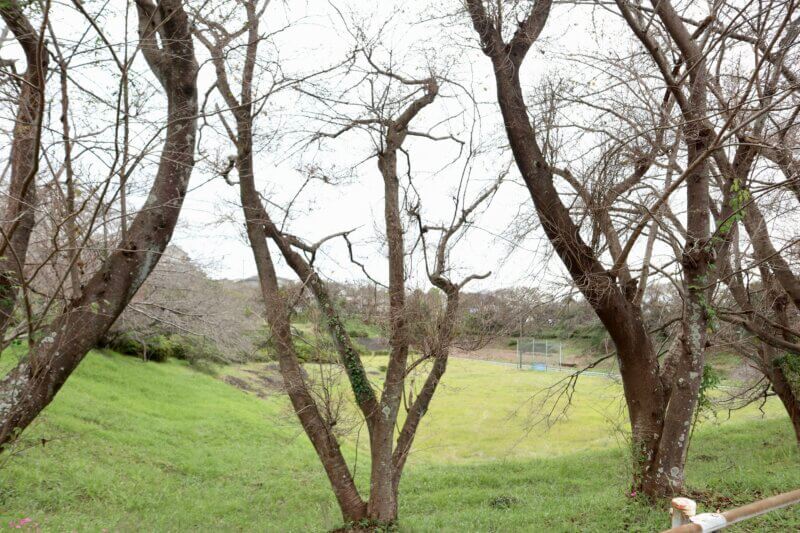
(141, 446)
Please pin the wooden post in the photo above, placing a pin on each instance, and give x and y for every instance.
(715, 521)
(682, 509)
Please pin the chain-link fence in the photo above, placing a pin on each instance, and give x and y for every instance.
(539, 354)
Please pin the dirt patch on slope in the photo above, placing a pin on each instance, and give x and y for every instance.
(261, 380)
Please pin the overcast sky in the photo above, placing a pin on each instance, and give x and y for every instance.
(417, 37)
(412, 37)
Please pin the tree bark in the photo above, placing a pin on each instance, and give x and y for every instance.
(660, 409)
(788, 396)
(34, 382)
(18, 217)
(325, 443)
(383, 494)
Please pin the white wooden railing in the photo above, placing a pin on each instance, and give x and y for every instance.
(685, 519)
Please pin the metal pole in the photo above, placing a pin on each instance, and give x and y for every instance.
(546, 356)
(559, 355)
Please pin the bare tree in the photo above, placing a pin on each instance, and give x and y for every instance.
(691, 120)
(18, 217)
(166, 44)
(389, 122)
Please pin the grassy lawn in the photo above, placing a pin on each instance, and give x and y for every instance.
(487, 412)
(137, 446)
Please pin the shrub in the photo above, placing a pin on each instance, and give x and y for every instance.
(323, 352)
(154, 348)
(594, 333)
(125, 344)
(357, 332)
(194, 349)
(159, 348)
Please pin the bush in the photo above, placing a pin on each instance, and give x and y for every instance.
(124, 344)
(308, 353)
(194, 349)
(594, 333)
(156, 348)
(357, 332)
(159, 348)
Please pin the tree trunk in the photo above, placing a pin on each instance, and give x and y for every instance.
(787, 393)
(32, 385)
(659, 414)
(18, 217)
(325, 443)
(382, 505)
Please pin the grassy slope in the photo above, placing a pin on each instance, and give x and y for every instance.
(161, 447)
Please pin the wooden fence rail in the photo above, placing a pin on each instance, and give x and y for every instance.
(684, 519)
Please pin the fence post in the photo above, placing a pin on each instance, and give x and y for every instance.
(546, 355)
(559, 355)
(682, 509)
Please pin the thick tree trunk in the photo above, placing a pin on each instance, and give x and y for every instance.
(788, 395)
(18, 216)
(33, 384)
(660, 413)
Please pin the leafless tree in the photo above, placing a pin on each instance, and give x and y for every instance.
(397, 102)
(68, 329)
(686, 117)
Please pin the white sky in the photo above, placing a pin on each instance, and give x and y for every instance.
(418, 34)
(319, 40)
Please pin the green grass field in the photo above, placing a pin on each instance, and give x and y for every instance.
(135, 446)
